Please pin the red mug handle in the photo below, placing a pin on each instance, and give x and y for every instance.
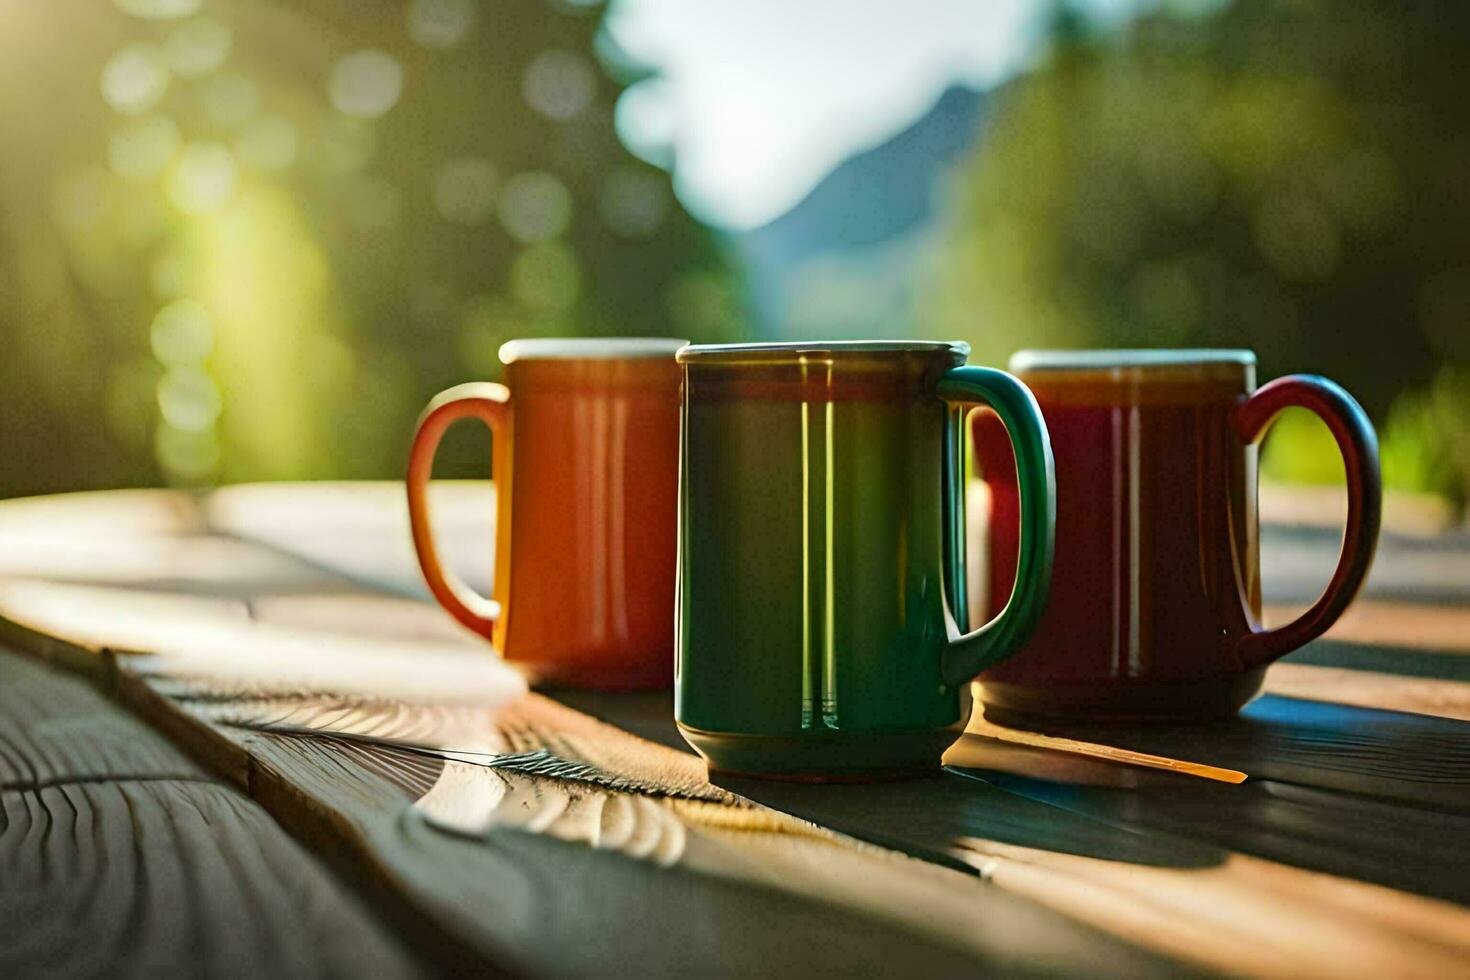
(490, 403)
(1358, 444)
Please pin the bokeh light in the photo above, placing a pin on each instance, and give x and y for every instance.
(168, 274)
(230, 99)
(365, 84)
(186, 456)
(204, 178)
(535, 207)
(141, 150)
(373, 202)
(440, 23)
(559, 84)
(546, 278)
(464, 190)
(267, 143)
(159, 9)
(633, 202)
(344, 145)
(297, 202)
(181, 335)
(1296, 235)
(485, 322)
(135, 78)
(188, 399)
(196, 48)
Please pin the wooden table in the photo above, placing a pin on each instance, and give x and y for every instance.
(234, 737)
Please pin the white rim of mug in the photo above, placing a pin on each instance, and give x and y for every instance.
(796, 348)
(588, 348)
(1140, 358)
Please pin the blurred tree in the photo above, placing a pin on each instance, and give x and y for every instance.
(1278, 175)
(244, 240)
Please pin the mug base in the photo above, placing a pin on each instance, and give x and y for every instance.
(1027, 706)
(822, 757)
(596, 677)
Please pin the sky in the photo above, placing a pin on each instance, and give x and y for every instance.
(760, 99)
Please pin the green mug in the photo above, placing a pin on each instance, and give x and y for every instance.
(821, 529)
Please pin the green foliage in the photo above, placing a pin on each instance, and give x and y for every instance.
(1412, 450)
(1283, 176)
(1424, 445)
(1299, 449)
(356, 204)
(1450, 396)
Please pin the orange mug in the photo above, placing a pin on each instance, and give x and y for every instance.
(586, 467)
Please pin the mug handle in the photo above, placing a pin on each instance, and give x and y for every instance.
(490, 403)
(1358, 444)
(970, 653)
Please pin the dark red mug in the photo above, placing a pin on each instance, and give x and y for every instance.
(1155, 609)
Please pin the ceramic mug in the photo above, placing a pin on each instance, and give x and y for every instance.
(1156, 597)
(821, 526)
(585, 461)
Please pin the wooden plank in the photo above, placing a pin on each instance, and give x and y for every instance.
(738, 880)
(548, 795)
(1241, 908)
(58, 730)
(152, 541)
(1416, 626)
(1096, 807)
(1032, 805)
(1296, 563)
(377, 763)
(192, 632)
(360, 530)
(1263, 919)
(121, 857)
(1371, 689)
(1343, 835)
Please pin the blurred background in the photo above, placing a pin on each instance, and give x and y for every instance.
(247, 239)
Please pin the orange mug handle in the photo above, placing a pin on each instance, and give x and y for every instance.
(490, 403)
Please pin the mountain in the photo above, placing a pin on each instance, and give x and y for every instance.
(842, 261)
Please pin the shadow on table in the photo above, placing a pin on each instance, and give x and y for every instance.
(1392, 756)
(1401, 661)
(1374, 795)
(922, 817)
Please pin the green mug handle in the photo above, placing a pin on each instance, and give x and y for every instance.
(970, 653)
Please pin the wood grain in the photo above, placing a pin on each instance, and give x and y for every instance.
(550, 796)
(121, 857)
(1078, 833)
(577, 834)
